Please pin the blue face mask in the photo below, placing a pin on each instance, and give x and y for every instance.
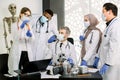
(43, 19)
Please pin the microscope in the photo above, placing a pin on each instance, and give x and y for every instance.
(60, 64)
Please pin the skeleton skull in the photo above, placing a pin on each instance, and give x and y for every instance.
(12, 9)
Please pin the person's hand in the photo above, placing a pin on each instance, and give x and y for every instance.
(104, 69)
(95, 64)
(82, 38)
(52, 39)
(29, 34)
(70, 61)
(83, 63)
(24, 23)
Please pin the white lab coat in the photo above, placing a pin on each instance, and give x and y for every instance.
(67, 48)
(40, 45)
(109, 52)
(20, 43)
(91, 48)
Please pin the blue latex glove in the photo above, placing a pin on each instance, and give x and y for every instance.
(104, 69)
(83, 63)
(82, 38)
(52, 39)
(23, 24)
(70, 61)
(95, 64)
(29, 34)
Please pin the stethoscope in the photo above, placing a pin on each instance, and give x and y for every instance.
(67, 46)
(90, 38)
(105, 35)
(41, 25)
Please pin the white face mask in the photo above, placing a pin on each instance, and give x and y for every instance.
(86, 23)
(60, 37)
(25, 18)
(103, 17)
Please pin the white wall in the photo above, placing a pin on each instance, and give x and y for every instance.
(34, 5)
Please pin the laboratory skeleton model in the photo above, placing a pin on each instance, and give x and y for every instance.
(7, 22)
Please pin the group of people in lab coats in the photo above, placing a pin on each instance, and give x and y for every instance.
(98, 49)
(33, 43)
(29, 41)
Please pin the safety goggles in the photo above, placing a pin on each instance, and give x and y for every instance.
(27, 15)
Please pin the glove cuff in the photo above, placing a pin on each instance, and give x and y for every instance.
(107, 64)
(82, 38)
(84, 63)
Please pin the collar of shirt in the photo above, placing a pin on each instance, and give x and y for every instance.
(109, 22)
(64, 43)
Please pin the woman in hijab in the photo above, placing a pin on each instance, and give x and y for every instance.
(90, 40)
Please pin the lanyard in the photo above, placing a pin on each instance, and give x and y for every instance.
(105, 35)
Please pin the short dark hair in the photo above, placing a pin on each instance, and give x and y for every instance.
(49, 11)
(111, 6)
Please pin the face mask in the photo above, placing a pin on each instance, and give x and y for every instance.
(86, 23)
(43, 19)
(25, 18)
(60, 37)
(103, 17)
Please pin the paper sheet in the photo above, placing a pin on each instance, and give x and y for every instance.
(93, 70)
(45, 76)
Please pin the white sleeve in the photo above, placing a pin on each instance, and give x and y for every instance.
(32, 38)
(73, 54)
(48, 52)
(53, 28)
(113, 54)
